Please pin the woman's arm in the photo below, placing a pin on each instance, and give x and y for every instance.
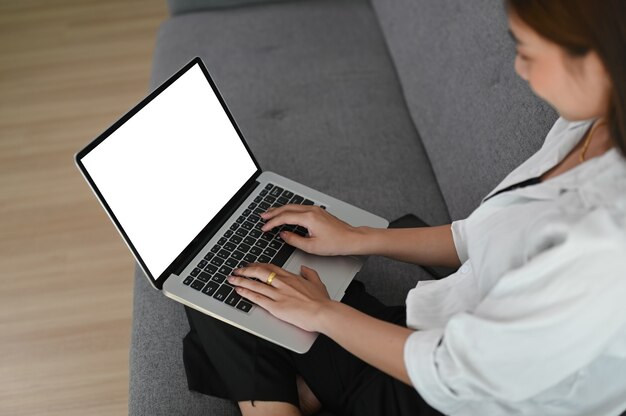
(329, 236)
(378, 343)
(428, 246)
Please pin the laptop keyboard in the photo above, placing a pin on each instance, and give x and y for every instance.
(245, 243)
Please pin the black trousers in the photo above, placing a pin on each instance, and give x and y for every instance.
(224, 361)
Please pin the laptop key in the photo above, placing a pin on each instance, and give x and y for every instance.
(235, 239)
(244, 306)
(243, 247)
(229, 246)
(195, 272)
(282, 200)
(264, 205)
(241, 219)
(256, 251)
(210, 269)
(221, 241)
(308, 202)
(250, 258)
(222, 293)
(198, 285)
(261, 243)
(217, 261)
(270, 199)
(249, 240)
(231, 262)
(275, 245)
(188, 280)
(228, 233)
(219, 278)
(247, 225)
(233, 299)
(287, 194)
(297, 199)
(256, 233)
(258, 199)
(269, 186)
(241, 232)
(283, 254)
(224, 254)
(276, 191)
(269, 252)
(237, 255)
(209, 256)
(215, 248)
(210, 288)
(264, 259)
(205, 277)
(202, 264)
(225, 270)
(263, 192)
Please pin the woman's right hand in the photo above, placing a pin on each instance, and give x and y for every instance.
(328, 235)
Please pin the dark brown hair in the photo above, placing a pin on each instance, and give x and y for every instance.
(579, 26)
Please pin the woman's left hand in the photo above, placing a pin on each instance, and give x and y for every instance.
(291, 298)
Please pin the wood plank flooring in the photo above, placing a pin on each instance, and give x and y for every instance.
(68, 69)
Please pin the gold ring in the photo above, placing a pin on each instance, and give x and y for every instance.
(270, 278)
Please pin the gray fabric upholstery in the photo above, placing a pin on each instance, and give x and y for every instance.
(477, 119)
(188, 6)
(314, 92)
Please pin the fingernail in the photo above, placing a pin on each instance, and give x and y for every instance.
(231, 278)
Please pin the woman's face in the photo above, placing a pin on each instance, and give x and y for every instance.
(577, 87)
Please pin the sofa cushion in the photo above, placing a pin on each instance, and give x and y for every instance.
(314, 93)
(188, 6)
(313, 90)
(477, 119)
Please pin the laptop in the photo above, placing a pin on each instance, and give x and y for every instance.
(184, 190)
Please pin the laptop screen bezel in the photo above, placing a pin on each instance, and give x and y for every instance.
(216, 221)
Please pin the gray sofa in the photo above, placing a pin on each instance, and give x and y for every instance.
(396, 106)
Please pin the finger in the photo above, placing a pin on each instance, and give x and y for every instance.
(288, 217)
(261, 271)
(272, 212)
(309, 274)
(254, 286)
(296, 240)
(262, 301)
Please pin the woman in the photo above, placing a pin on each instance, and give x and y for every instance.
(535, 321)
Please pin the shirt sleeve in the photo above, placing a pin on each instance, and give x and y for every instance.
(540, 324)
(460, 242)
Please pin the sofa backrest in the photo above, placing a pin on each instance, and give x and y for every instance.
(478, 120)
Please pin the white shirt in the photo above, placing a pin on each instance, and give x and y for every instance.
(534, 322)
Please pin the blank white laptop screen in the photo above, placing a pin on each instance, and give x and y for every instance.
(170, 169)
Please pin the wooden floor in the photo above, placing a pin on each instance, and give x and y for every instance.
(68, 69)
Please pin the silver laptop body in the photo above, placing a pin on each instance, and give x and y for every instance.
(174, 175)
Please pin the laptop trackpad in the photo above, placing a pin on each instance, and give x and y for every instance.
(336, 272)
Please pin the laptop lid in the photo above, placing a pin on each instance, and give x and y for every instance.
(170, 169)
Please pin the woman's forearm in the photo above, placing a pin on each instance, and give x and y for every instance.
(378, 343)
(428, 246)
